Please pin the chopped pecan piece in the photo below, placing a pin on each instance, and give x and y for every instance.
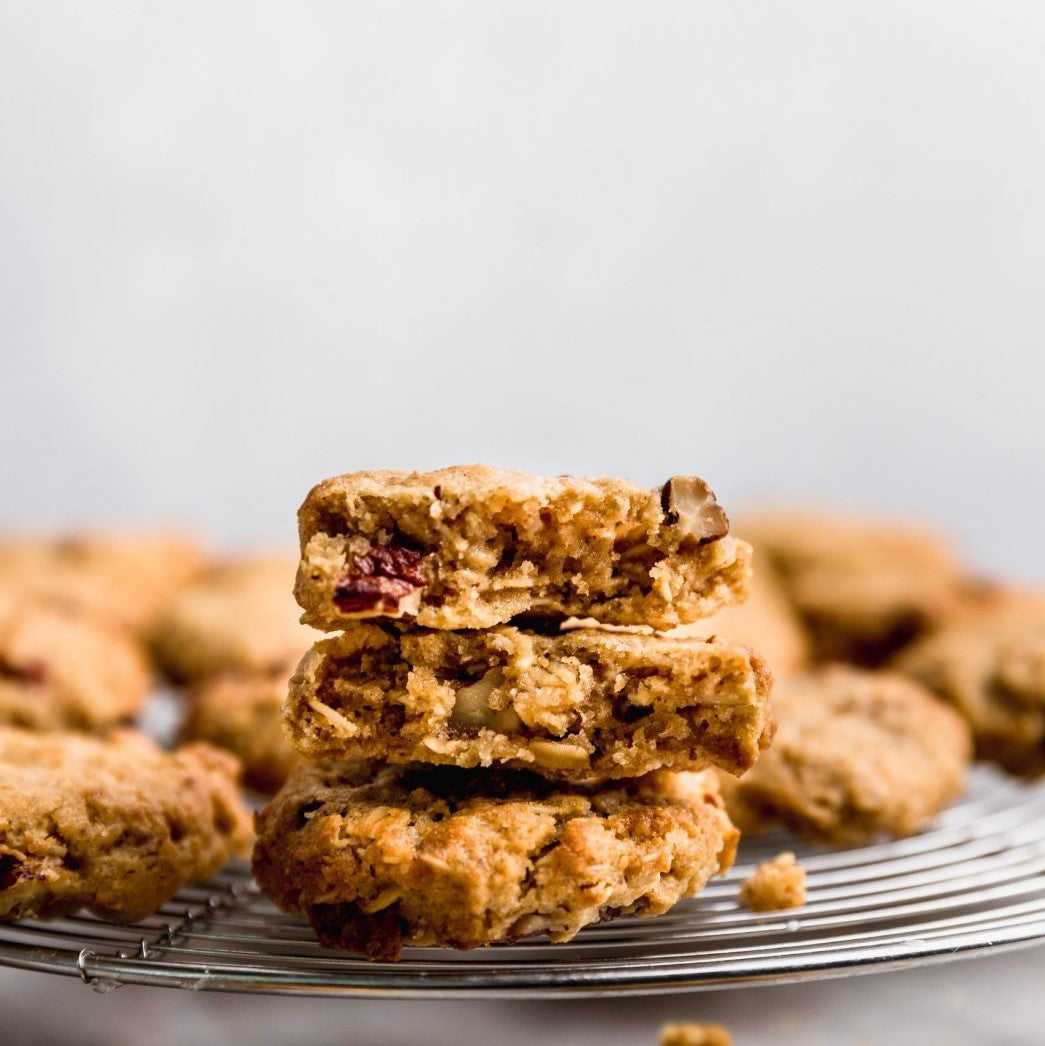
(378, 581)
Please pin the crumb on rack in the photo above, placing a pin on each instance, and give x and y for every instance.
(695, 1035)
(775, 885)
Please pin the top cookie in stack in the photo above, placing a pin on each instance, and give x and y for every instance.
(472, 548)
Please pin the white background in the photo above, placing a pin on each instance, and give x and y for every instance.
(798, 248)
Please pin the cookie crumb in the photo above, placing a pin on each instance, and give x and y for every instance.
(695, 1035)
(775, 885)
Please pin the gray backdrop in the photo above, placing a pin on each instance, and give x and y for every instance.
(796, 248)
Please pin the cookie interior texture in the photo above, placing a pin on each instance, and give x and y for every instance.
(115, 825)
(856, 754)
(575, 704)
(471, 547)
(382, 857)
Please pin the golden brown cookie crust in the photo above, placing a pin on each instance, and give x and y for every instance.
(863, 588)
(243, 715)
(570, 705)
(382, 857)
(472, 547)
(989, 663)
(238, 618)
(63, 667)
(114, 825)
(856, 754)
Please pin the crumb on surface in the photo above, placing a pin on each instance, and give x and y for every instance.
(695, 1035)
(775, 885)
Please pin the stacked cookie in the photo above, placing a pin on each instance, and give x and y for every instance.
(477, 771)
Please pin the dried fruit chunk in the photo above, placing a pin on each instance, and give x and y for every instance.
(380, 582)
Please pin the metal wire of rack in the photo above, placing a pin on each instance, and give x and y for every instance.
(972, 883)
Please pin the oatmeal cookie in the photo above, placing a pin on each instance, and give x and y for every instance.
(242, 714)
(239, 617)
(64, 667)
(989, 663)
(569, 705)
(114, 825)
(380, 857)
(471, 547)
(863, 589)
(856, 753)
(126, 576)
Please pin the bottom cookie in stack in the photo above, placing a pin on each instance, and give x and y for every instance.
(379, 857)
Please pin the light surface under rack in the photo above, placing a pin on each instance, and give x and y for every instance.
(972, 883)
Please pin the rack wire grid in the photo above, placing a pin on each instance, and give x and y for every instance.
(972, 883)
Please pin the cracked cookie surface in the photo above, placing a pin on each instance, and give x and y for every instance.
(381, 857)
(472, 547)
(856, 753)
(115, 825)
(575, 704)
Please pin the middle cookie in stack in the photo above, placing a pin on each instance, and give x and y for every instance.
(552, 808)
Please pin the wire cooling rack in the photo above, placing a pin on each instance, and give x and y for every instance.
(972, 883)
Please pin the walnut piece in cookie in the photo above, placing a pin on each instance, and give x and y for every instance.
(382, 857)
(695, 1035)
(64, 667)
(473, 547)
(570, 705)
(775, 885)
(856, 754)
(112, 824)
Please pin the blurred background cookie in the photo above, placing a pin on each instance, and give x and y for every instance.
(989, 662)
(239, 617)
(863, 588)
(63, 666)
(242, 714)
(857, 753)
(126, 575)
